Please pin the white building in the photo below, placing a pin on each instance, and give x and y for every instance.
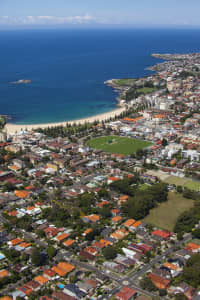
(191, 155)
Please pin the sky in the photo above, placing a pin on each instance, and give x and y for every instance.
(30, 13)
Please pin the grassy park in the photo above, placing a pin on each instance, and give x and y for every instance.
(125, 81)
(119, 145)
(185, 182)
(166, 214)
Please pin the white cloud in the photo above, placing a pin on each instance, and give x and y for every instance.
(46, 20)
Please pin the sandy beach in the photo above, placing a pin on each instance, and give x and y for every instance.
(16, 128)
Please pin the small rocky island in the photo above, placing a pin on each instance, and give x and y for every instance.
(21, 81)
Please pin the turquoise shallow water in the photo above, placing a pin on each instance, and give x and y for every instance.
(68, 68)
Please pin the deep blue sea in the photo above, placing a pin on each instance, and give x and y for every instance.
(68, 68)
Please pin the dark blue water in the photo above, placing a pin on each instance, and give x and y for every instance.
(68, 68)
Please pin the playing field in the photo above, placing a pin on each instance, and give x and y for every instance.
(185, 182)
(165, 215)
(117, 144)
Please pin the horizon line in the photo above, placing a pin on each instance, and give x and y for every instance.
(98, 26)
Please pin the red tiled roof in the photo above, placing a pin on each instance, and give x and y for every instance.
(125, 293)
(159, 282)
(162, 233)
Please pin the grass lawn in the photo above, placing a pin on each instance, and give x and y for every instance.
(185, 182)
(193, 185)
(166, 214)
(125, 81)
(143, 187)
(146, 90)
(117, 144)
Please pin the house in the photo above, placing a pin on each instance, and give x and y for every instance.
(91, 218)
(162, 234)
(98, 245)
(49, 274)
(19, 163)
(51, 231)
(192, 247)
(185, 289)
(129, 223)
(122, 199)
(115, 212)
(159, 282)
(129, 253)
(116, 219)
(140, 247)
(174, 269)
(103, 203)
(74, 291)
(54, 167)
(123, 260)
(162, 272)
(41, 279)
(114, 266)
(17, 294)
(126, 293)
(92, 283)
(25, 289)
(61, 237)
(192, 155)
(68, 242)
(22, 194)
(62, 296)
(35, 286)
(104, 243)
(4, 273)
(13, 148)
(119, 234)
(6, 175)
(135, 226)
(85, 287)
(91, 250)
(59, 271)
(112, 179)
(87, 255)
(15, 242)
(87, 231)
(66, 267)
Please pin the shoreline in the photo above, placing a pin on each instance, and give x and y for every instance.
(17, 128)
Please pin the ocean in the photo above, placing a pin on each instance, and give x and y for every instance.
(68, 67)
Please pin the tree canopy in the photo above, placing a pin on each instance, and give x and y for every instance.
(139, 206)
(191, 271)
(109, 252)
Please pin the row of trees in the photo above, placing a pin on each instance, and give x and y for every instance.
(82, 129)
(66, 131)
